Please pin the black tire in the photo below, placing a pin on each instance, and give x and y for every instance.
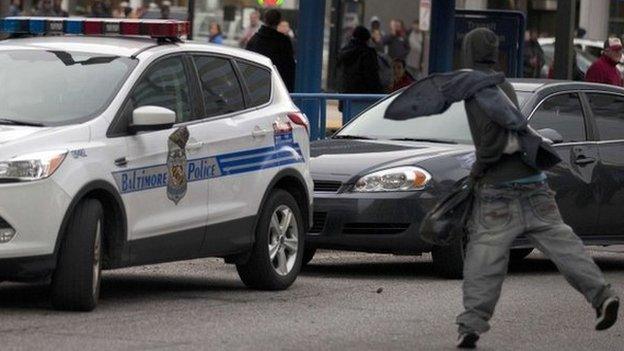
(517, 255)
(448, 261)
(258, 272)
(76, 280)
(308, 254)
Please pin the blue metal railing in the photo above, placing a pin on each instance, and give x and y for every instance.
(314, 105)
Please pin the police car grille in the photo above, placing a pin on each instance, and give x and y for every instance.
(374, 228)
(326, 186)
(318, 222)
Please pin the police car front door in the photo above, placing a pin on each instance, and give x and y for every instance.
(161, 185)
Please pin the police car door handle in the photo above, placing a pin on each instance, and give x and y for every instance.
(121, 162)
(260, 132)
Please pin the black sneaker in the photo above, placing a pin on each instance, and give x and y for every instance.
(467, 340)
(607, 313)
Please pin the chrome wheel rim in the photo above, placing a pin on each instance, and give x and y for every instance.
(97, 256)
(283, 240)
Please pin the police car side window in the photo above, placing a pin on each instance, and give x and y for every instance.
(258, 81)
(222, 91)
(563, 113)
(166, 85)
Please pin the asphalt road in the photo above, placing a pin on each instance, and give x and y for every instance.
(334, 305)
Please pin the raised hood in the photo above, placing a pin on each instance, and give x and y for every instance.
(341, 160)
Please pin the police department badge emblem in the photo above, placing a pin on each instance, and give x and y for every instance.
(176, 165)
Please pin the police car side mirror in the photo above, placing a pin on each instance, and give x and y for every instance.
(151, 118)
(551, 134)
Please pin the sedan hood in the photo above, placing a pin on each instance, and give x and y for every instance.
(341, 160)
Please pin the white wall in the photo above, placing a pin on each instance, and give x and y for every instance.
(594, 17)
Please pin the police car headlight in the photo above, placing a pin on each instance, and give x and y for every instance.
(393, 179)
(32, 166)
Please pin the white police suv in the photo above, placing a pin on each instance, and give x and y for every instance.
(119, 150)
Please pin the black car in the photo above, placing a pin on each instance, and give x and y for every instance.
(375, 179)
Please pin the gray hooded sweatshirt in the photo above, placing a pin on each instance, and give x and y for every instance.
(492, 165)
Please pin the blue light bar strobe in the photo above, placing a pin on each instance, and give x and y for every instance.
(15, 25)
(74, 26)
(37, 26)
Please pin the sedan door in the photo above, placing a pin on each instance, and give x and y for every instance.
(574, 179)
(608, 114)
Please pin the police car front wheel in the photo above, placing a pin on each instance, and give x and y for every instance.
(276, 257)
(76, 280)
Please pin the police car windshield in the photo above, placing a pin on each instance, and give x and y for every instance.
(57, 87)
(448, 127)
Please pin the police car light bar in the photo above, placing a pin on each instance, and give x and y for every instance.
(55, 25)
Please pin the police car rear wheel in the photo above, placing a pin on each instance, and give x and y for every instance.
(276, 257)
(76, 280)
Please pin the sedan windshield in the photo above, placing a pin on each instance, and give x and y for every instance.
(448, 127)
(56, 87)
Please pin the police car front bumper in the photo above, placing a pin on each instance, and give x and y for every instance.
(35, 211)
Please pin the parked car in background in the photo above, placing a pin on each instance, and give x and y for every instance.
(586, 51)
(375, 179)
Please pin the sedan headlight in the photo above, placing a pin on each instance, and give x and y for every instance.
(393, 179)
(34, 166)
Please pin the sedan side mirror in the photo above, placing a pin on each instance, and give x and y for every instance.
(551, 134)
(151, 118)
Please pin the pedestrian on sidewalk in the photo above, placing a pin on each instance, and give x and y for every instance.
(402, 77)
(604, 70)
(397, 41)
(276, 46)
(16, 8)
(251, 30)
(416, 41)
(533, 55)
(512, 197)
(215, 37)
(358, 65)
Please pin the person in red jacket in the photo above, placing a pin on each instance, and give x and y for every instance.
(604, 70)
(401, 77)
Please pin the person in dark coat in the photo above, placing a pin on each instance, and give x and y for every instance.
(358, 65)
(276, 46)
(533, 55)
(397, 41)
(604, 70)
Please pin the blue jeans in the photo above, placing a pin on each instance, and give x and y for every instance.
(500, 214)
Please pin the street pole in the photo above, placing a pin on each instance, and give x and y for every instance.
(564, 46)
(191, 17)
(311, 23)
(442, 39)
